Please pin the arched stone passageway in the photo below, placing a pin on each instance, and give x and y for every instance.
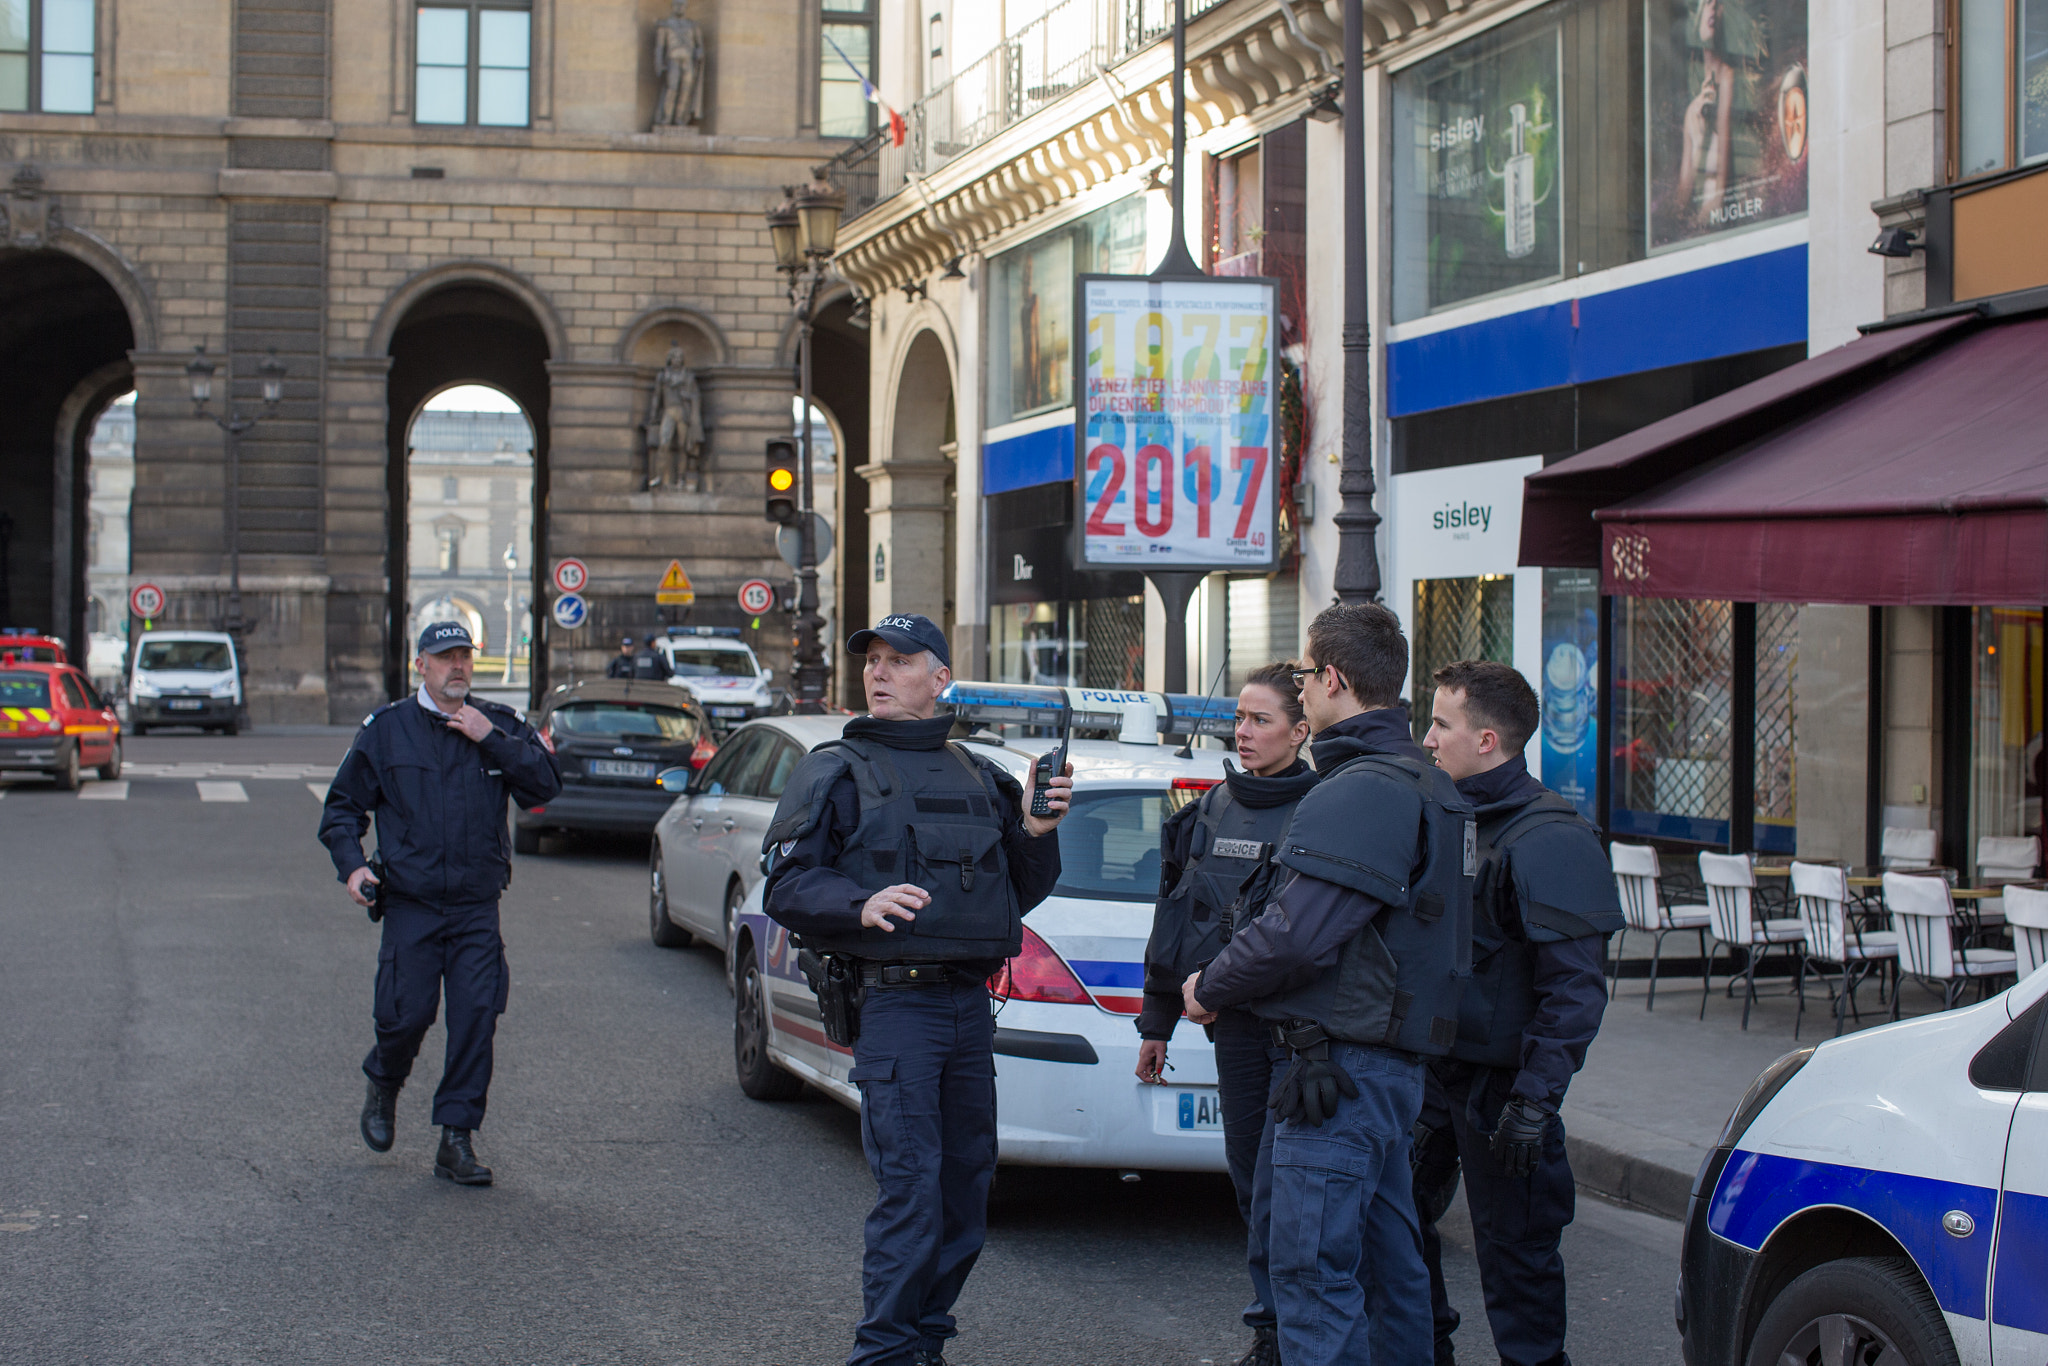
(65, 336)
(839, 384)
(912, 490)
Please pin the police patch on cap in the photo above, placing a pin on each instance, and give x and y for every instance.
(905, 631)
(444, 635)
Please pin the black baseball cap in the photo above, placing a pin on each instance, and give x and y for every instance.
(907, 632)
(627, 641)
(445, 635)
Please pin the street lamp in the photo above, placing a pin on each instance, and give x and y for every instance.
(199, 372)
(511, 606)
(804, 229)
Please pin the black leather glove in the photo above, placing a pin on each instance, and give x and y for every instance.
(1518, 1141)
(1308, 1093)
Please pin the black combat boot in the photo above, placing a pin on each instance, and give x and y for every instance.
(1265, 1349)
(929, 1356)
(457, 1159)
(380, 1110)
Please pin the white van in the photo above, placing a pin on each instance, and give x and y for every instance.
(185, 678)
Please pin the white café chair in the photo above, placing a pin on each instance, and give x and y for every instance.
(1643, 908)
(2026, 910)
(1834, 940)
(2001, 860)
(1921, 911)
(1906, 847)
(1731, 896)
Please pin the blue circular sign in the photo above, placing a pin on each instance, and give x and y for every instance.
(571, 611)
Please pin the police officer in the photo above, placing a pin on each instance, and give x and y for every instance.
(649, 663)
(436, 769)
(907, 863)
(1209, 851)
(1356, 962)
(621, 665)
(1543, 906)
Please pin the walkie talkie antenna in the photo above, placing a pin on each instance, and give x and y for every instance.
(1187, 747)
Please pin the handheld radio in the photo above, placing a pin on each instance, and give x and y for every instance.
(1050, 765)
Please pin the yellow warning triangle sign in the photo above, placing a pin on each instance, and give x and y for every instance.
(674, 589)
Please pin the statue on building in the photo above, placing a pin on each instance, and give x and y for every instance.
(675, 427)
(679, 66)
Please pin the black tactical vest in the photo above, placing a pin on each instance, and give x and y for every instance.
(930, 818)
(1230, 841)
(1398, 831)
(1542, 877)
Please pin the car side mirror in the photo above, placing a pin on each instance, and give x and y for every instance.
(767, 674)
(674, 779)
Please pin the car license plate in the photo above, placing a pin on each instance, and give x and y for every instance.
(730, 713)
(1197, 1111)
(185, 704)
(621, 768)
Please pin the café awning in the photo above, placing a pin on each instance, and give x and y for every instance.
(1909, 466)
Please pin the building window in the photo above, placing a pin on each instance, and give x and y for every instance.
(1031, 321)
(46, 57)
(935, 71)
(451, 549)
(2001, 78)
(846, 63)
(1458, 619)
(474, 65)
(451, 490)
(1239, 209)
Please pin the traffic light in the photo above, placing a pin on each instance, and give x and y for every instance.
(782, 481)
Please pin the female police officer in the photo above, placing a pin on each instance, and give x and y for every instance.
(1208, 852)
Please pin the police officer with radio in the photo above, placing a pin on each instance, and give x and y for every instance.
(905, 863)
(1210, 850)
(1543, 906)
(1356, 964)
(436, 769)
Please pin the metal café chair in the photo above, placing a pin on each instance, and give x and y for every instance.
(1731, 897)
(1834, 940)
(2026, 910)
(1922, 914)
(1637, 878)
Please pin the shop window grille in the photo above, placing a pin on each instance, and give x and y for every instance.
(1109, 642)
(1264, 625)
(1777, 679)
(1672, 707)
(1457, 619)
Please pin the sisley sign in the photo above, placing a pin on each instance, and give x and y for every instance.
(1459, 522)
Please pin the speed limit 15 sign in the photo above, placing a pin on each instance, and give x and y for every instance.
(571, 576)
(756, 597)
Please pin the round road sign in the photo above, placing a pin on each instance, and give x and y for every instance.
(756, 597)
(570, 611)
(146, 601)
(571, 576)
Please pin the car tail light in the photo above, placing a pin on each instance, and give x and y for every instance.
(701, 752)
(1185, 790)
(1038, 974)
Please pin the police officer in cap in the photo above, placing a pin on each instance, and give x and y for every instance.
(1543, 906)
(436, 769)
(1356, 964)
(621, 665)
(905, 864)
(1209, 851)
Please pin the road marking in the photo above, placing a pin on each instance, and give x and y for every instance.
(104, 792)
(196, 771)
(223, 792)
(319, 791)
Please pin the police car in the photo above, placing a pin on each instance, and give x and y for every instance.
(1882, 1198)
(1066, 1005)
(716, 666)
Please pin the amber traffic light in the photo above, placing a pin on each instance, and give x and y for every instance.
(782, 481)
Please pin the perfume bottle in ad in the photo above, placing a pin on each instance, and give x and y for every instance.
(1519, 209)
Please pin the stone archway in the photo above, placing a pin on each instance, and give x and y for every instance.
(911, 491)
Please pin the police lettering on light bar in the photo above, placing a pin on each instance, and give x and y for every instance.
(1025, 704)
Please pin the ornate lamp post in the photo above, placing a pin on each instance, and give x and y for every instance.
(804, 230)
(199, 371)
(511, 611)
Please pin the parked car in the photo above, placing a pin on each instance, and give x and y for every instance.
(1067, 1094)
(52, 720)
(1882, 1198)
(185, 678)
(716, 666)
(613, 739)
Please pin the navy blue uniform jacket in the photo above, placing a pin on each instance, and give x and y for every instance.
(439, 798)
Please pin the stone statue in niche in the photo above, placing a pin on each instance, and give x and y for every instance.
(675, 427)
(679, 66)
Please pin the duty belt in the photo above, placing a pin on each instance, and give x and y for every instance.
(904, 974)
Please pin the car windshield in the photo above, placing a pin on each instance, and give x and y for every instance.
(30, 654)
(24, 690)
(624, 718)
(205, 656)
(701, 663)
(1109, 846)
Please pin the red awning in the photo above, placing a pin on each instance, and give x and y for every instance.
(1929, 486)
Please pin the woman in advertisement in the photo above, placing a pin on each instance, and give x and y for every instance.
(1739, 68)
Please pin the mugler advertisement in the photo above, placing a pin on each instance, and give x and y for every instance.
(1727, 108)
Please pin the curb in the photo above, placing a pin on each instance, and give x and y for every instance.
(1626, 1164)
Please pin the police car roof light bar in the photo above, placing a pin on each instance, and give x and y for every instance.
(1029, 704)
(731, 631)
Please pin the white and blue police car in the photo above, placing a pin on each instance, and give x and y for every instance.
(1066, 1006)
(1881, 1199)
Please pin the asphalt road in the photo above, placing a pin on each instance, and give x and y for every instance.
(184, 1005)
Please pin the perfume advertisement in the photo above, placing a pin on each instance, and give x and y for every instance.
(1727, 109)
(1569, 690)
(1484, 135)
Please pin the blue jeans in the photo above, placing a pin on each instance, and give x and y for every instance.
(925, 1065)
(1247, 1065)
(1345, 1248)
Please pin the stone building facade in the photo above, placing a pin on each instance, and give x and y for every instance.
(259, 176)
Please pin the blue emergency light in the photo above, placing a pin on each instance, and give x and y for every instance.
(731, 631)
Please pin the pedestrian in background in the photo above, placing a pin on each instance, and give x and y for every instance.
(621, 664)
(436, 769)
(905, 865)
(1543, 905)
(1211, 854)
(650, 663)
(1356, 964)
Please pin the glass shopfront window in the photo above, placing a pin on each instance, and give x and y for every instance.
(1458, 619)
(1570, 686)
(2008, 766)
(1031, 311)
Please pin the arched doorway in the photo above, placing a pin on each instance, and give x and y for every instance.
(839, 384)
(465, 333)
(912, 493)
(65, 336)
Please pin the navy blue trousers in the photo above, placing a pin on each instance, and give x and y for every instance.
(925, 1065)
(1247, 1065)
(1517, 1226)
(1345, 1248)
(423, 948)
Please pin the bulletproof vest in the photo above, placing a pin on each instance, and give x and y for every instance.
(930, 818)
(1229, 843)
(648, 664)
(1398, 831)
(1542, 878)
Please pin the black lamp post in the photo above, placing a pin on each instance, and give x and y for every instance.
(1357, 578)
(199, 371)
(804, 230)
